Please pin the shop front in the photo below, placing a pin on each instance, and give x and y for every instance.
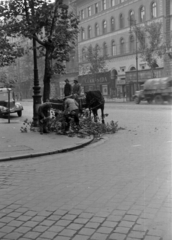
(99, 81)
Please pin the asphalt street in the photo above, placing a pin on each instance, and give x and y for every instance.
(117, 189)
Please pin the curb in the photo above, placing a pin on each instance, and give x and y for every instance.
(39, 154)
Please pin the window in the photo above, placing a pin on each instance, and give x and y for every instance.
(104, 4)
(153, 10)
(82, 14)
(132, 45)
(121, 21)
(114, 52)
(89, 11)
(104, 49)
(122, 46)
(97, 30)
(89, 32)
(96, 8)
(112, 3)
(112, 24)
(131, 17)
(142, 14)
(82, 34)
(104, 27)
(121, 1)
(83, 54)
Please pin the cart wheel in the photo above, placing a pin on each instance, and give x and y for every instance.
(158, 99)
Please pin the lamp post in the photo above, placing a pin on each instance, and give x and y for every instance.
(36, 88)
(137, 73)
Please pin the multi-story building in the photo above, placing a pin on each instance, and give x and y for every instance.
(107, 24)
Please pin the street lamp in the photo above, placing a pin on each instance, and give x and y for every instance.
(36, 87)
(133, 22)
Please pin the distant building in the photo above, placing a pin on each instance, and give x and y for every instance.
(108, 24)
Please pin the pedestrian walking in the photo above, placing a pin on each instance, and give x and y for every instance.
(71, 111)
(76, 88)
(44, 116)
(67, 88)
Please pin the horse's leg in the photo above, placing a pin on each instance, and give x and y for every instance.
(95, 115)
(102, 111)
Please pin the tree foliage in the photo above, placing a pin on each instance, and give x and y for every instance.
(151, 43)
(96, 62)
(53, 26)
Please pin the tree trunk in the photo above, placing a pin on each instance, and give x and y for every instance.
(47, 77)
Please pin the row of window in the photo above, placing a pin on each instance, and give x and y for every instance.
(115, 49)
(94, 9)
(132, 21)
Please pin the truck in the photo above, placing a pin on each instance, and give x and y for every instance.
(157, 90)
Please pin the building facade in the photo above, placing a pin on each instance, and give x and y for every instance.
(107, 24)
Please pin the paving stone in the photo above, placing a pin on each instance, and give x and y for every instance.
(30, 224)
(47, 223)
(67, 233)
(92, 225)
(97, 219)
(114, 218)
(155, 232)
(87, 231)
(21, 210)
(109, 224)
(102, 214)
(134, 212)
(13, 236)
(14, 214)
(140, 227)
(2, 206)
(63, 223)
(14, 206)
(117, 236)
(62, 238)
(49, 235)
(15, 223)
(6, 219)
(7, 229)
(32, 235)
(81, 220)
(24, 218)
(2, 224)
(23, 229)
(126, 224)
(44, 213)
(60, 212)
(75, 212)
(54, 217)
(99, 236)
(80, 237)
(69, 217)
(152, 238)
(2, 234)
(56, 229)
(7, 210)
(105, 230)
(40, 228)
(75, 226)
(130, 218)
(86, 215)
(124, 230)
(135, 234)
(30, 213)
(38, 218)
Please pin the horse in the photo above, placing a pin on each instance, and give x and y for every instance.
(95, 101)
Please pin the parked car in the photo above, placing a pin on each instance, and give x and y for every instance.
(156, 89)
(15, 107)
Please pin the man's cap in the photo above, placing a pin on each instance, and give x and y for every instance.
(75, 80)
(67, 80)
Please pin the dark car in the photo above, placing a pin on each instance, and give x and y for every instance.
(15, 107)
